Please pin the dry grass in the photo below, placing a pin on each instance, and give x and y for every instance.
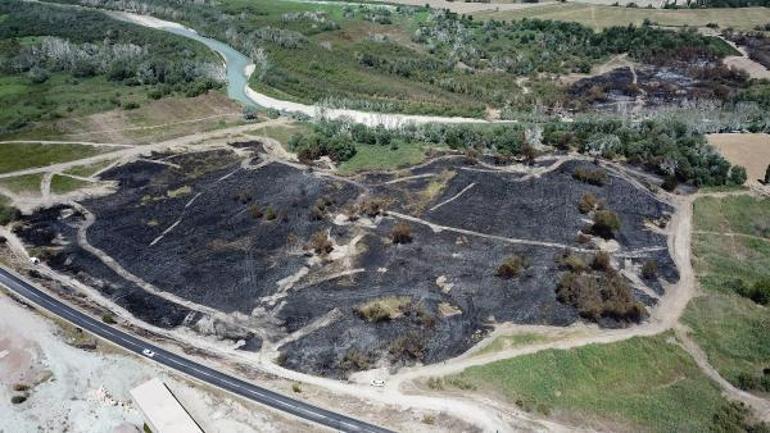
(153, 121)
(599, 17)
(385, 308)
(751, 151)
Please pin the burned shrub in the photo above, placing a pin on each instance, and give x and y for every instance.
(600, 296)
(669, 183)
(594, 177)
(471, 156)
(606, 223)
(270, 214)
(572, 262)
(650, 270)
(255, 211)
(381, 309)
(588, 203)
(372, 207)
(355, 360)
(511, 267)
(408, 347)
(601, 262)
(401, 233)
(318, 211)
(320, 243)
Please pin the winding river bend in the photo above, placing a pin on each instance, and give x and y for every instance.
(239, 68)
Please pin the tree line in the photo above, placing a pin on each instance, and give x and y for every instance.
(40, 40)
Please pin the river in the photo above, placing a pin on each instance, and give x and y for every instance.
(239, 68)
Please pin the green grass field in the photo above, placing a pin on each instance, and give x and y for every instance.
(64, 184)
(732, 330)
(7, 212)
(739, 214)
(374, 157)
(28, 184)
(20, 156)
(282, 134)
(88, 170)
(511, 341)
(599, 17)
(644, 384)
(22, 102)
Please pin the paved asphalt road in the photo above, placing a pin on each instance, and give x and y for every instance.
(184, 365)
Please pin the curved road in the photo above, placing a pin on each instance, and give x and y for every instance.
(181, 364)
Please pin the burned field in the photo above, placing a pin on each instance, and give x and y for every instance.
(345, 274)
(677, 84)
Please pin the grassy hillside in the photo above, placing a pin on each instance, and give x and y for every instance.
(643, 384)
(730, 326)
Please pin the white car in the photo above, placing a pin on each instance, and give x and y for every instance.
(34, 260)
(148, 353)
(379, 383)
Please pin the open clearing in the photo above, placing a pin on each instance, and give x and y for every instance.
(154, 120)
(642, 384)
(731, 242)
(85, 388)
(599, 16)
(19, 156)
(752, 151)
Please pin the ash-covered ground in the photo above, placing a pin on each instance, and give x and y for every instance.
(306, 262)
(678, 84)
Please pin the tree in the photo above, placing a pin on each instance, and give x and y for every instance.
(738, 175)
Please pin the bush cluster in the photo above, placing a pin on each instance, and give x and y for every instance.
(595, 177)
(606, 223)
(758, 292)
(597, 291)
(86, 43)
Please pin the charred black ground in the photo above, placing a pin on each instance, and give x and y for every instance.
(309, 260)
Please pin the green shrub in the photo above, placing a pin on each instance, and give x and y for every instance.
(738, 175)
(758, 292)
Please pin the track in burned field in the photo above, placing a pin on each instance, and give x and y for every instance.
(234, 240)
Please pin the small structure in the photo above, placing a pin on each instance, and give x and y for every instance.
(161, 409)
